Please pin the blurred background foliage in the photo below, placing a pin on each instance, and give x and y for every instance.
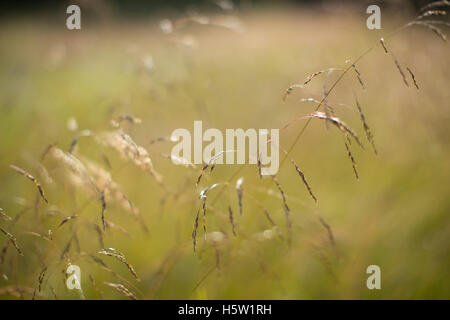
(230, 76)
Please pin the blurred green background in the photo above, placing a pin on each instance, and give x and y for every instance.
(230, 73)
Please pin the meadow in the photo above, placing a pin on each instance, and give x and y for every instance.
(78, 108)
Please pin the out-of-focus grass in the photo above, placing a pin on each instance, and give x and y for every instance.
(396, 216)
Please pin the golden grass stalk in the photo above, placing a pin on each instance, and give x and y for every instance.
(65, 220)
(358, 75)
(352, 159)
(119, 256)
(413, 77)
(38, 235)
(430, 25)
(4, 215)
(13, 240)
(16, 291)
(366, 127)
(121, 289)
(194, 231)
(336, 122)
(112, 190)
(435, 4)
(329, 231)
(99, 232)
(102, 200)
(302, 176)
(84, 133)
(41, 278)
(397, 64)
(128, 117)
(112, 225)
(431, 13)
(94, 285)
(286, 209)
(383, 45)
(203, 196)
(129, 150)
(4, 251)
(315, 74)
(289, 90)
(230, 211)
(217, 252)
(326, 108)
(33, 179)
(211, 161)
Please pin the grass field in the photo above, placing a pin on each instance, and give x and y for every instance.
(395, 216)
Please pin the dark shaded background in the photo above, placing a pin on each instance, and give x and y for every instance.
(150, 7)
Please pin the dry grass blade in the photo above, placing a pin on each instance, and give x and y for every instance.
(65, 252)
(290, 89)
(366, 127)
(128, 117)
(129, 150)
(121, 289)
(94, 284)
(16, 291)
(325, 105)
(84, 133)
(54, 293)
(38, 235)
(336, 122)
(111, 189)
(99, 232)
(308, 80)
(203, 196)
(413, 77)
(103, 202)
(302, 176)
(383, 45)
(358, 75)
(211, 161)
(239, 191)
(437, 31)
(286, 209)
(159, 139)
(429, 25)
(352, 159)
(315, 74)
(329, 232)
(4, 215)
(435, 4)
(230, 211)
(266, 213)
(112, 225)
(201, 173)
(217, 260)
(397, 64)
(432, 13)
(118, 255)
(12, 239)
(41, 278)
(67, 220)
(194, 231)
(33, 179)
(4, 251)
